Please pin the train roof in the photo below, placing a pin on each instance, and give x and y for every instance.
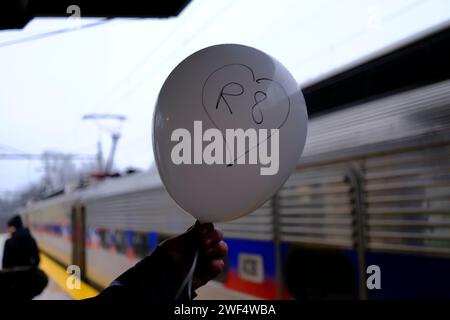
(415, 63)
(109, 187)
(131, 183)
(405, 120)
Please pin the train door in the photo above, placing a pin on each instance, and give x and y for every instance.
(78, 238)
(317, 220)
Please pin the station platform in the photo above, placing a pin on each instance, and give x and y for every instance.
(57, 287)
(53, 292)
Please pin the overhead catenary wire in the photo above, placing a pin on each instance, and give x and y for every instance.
(13, 149)
(138, 67)
(221, 11)
(156, 67)
(53, 33)
(31, 156)
(154, 50)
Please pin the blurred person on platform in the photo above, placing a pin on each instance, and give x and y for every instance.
(20, 249)
(20, 279)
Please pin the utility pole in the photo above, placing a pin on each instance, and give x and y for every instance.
(114, 139)
(115, 136)
(99, 153)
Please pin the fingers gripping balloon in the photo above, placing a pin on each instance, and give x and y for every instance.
(229, 127)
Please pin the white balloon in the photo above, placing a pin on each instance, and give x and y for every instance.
(224, 88)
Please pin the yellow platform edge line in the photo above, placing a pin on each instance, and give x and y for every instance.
(59, 275)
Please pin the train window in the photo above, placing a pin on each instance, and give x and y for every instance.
(120, 238)
(57, 230)
(319, 274)
(105, 240)
(93, 237)
(140, 244)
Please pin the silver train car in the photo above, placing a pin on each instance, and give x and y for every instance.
(372, 188)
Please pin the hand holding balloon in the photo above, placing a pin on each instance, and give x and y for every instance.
(212, 250)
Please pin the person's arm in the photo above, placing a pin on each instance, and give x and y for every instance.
(6, 263)
(35, 259)
(159, 276)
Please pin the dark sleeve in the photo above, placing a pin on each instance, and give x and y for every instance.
(6, 261)
(35, 259)
(154, 278)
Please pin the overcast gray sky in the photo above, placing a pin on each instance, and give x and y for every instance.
(47, 85)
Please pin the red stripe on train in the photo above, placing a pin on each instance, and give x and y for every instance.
(265, 290)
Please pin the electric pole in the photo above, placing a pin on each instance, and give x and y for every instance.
(115, 136)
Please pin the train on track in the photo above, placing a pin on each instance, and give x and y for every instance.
(372, 189)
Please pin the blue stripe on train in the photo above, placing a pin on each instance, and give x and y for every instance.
(411, 276)
(152, 240)
(57, 229)
(130, 235)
